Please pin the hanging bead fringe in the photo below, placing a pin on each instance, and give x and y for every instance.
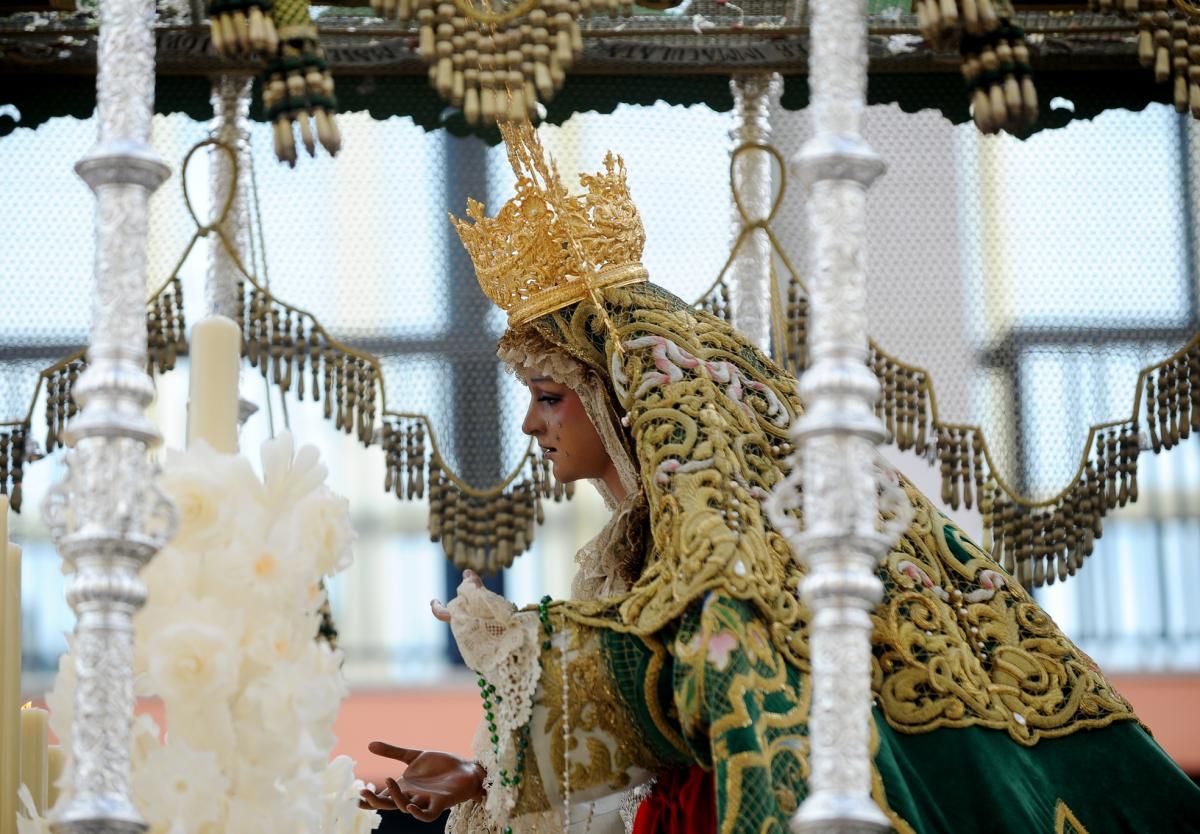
(995, 58)
(717, 301)
(495, 65)
(484, 532)
(292, 351)
(241, 28)
(1168, 44)
(13, 457)
(1039, 543)
(166, 337)
(166, 341)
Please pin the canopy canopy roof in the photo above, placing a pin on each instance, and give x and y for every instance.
(1084, 63)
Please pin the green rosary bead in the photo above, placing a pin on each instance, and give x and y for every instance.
(487, 691)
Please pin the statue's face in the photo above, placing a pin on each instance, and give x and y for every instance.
(556, 419)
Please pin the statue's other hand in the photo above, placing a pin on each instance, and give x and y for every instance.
(432, 782)
(440, 611)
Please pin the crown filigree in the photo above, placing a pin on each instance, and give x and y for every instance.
(546, 249)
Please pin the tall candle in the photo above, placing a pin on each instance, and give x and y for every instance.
(10, 675)
(56, 759)
(33, 754)
(215, 351)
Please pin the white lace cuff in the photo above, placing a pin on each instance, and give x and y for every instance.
(470, 818)
(503, 646)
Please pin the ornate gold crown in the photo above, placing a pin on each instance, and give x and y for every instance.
(546, 249)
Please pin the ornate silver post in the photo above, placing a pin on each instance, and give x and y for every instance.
(842, 540)
(107, 516)
(231, 112)
(753, 96)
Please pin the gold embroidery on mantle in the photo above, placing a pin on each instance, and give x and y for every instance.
(1065, 821)
(958, 643)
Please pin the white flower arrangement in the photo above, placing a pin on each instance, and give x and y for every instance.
(227, 640)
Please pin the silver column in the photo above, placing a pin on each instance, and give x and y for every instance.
(231, 114)
(753, 97)
(107, 516)
(842, 539)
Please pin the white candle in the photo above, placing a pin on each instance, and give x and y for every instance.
(33, 754)
(215, 352)
(56, 759)
(10, 674)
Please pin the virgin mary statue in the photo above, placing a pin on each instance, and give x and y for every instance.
(671, 693)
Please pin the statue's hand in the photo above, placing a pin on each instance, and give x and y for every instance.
(440, 611)
(432, 782)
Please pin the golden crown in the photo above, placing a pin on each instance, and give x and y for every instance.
(546, 249)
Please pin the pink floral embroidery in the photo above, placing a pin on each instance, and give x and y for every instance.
(990, 582)
(720, 646)
(670, 360)
(919, 576)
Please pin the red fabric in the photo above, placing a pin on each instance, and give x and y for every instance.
(681, 802)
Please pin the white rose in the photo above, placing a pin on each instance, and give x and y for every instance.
(193, 661)
(177, 785)
(205, 514)
(258, 802)
(322, 526)
(318, 704)
(209, 489)
(274, 639)
(157, 616)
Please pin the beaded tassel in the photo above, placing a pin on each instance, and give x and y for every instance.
(12, 463)
(496, 63)
(1168, 43)
(241, 28)
(1172, 396)
(482, 532)
(796, 324)
(297, 86)
(995, 57)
